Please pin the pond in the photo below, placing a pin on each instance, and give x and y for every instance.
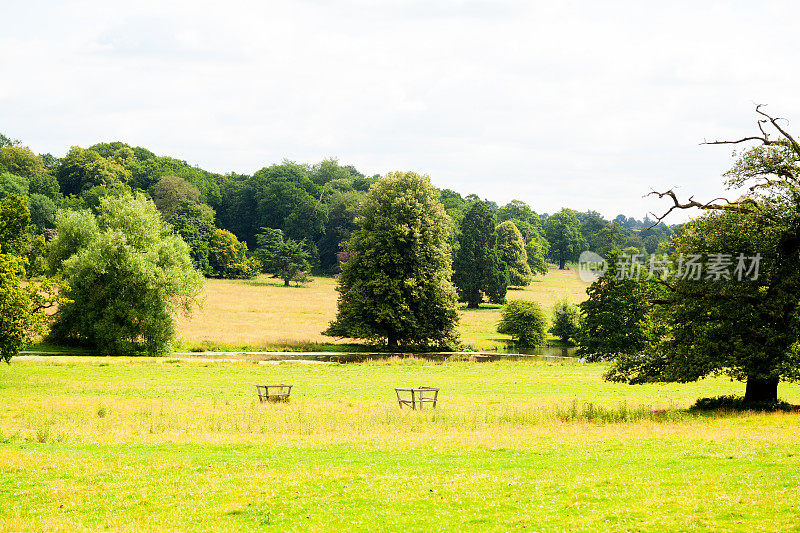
(511, 352)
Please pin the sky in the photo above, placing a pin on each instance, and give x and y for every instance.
(581, 104)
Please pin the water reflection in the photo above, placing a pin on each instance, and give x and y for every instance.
(509, 352)
(546, 351)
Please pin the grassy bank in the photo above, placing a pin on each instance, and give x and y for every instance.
(171, 444)
(263, 314)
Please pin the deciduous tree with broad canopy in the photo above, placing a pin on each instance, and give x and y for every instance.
(22, 305)
(511, 248)
(739, 324)
(396, 285)
(128, 274)
(563, 232)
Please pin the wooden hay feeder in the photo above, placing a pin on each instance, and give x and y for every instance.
(417, 397)
(274, 393)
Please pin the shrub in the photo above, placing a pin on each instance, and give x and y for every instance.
(524, 321)
(565, 320)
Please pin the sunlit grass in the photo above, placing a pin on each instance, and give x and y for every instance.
(174, 444)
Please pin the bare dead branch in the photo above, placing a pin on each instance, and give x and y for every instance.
(765, 140)
(692, 203)
(760, 124)
(746, 205)
(774, 121)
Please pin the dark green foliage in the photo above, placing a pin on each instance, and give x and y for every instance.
(524, 321)
(566, 318)
(615, 315)
(563, 232)
(42, 208)
(478, 270)
(592, 223)
(396, 285)
(146, 169)
(316, 204)
(43, 212)
(194, 223)
(743, 326)
(291, 262)
(342, 206)
(90, 198)
(46, 185)
(747, 329)
(280, 196)
(285, 258)
(18, 236)
(12, 184)
(605, 237)
(330, 170)
(608, 240)
(511, 248)
(521, 214)
(51, 163)
(15, 219)
(498, 281)
(268, 244)
(651, 243)
(127, 275)
(22, 305)
(537, 249)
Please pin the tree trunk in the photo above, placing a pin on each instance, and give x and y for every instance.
(472, 305)
(286, 283)
(561, 261)
(761, 390)
(391, 340)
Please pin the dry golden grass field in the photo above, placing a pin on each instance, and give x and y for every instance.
(262, 314)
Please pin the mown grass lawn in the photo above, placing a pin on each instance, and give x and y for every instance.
(170, 444)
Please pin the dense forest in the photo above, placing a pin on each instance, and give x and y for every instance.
(301, 210)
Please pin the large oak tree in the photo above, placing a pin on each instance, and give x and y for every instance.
(744, 323)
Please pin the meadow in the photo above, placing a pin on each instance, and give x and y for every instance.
(94, 443)
(262, 314)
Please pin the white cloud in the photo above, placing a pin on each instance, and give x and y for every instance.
(580, 104)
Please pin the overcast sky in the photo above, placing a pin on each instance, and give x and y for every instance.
(579, 104)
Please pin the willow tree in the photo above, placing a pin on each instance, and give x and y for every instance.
(127, 275)
(741, 316)
(396, 284)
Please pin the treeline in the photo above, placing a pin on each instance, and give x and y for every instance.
(287, 218)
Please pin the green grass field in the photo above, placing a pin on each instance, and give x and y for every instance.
(262, 314)
(131, 444)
